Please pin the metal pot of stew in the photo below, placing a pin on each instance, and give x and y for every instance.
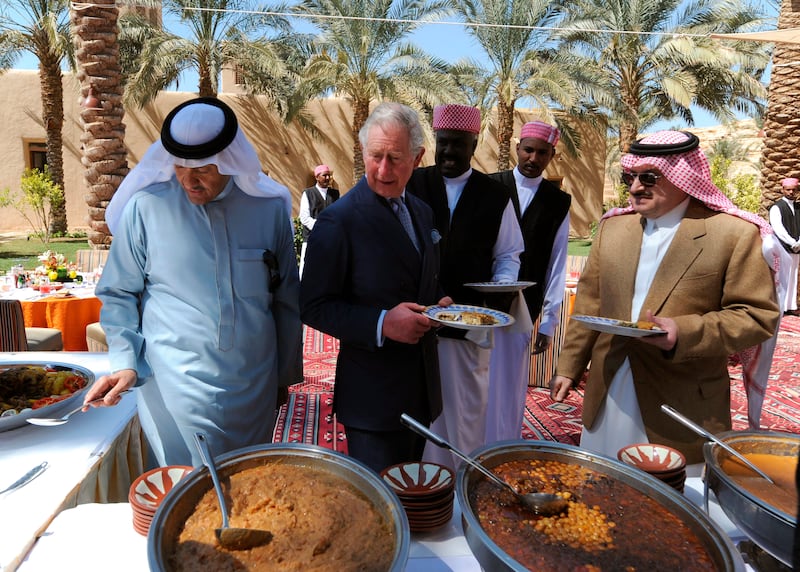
(766, 513)
(618, 516)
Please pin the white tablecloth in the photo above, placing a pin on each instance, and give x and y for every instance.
(113, 540)
(77, 453)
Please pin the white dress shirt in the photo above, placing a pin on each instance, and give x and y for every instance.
(619, 421)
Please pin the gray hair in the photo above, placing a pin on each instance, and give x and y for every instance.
(391, 113)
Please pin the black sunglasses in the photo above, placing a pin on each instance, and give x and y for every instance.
(647, 178)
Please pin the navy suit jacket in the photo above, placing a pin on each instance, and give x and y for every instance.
(360, 261)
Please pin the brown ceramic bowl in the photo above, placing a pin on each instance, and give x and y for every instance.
(652, 458)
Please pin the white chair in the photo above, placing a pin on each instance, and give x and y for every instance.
(96, 338)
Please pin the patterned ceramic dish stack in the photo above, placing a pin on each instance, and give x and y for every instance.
(664, 463)
(426, 491)
(148, 490)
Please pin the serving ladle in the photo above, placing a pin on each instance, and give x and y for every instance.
(54, 421)
(685, 421)
(228, 536)
(544, 504)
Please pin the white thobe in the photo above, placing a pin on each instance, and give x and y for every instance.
(464, 364)
(186, 304)
(787, 273)
(619, 420)
(308, 221)
(509, 365)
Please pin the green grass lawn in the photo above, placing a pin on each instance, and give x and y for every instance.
(20, 250)
(579, 246)
(25, 251)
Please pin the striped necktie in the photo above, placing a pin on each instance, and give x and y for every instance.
(400, 209)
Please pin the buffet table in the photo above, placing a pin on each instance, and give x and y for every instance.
(99, 534)
(70, 313)
(92, 458)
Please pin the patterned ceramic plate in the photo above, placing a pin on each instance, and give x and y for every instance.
(499, 287)
(616, 327)
(468, 317)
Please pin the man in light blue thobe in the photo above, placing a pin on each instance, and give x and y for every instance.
(200, 290)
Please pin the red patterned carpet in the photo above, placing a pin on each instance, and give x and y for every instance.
(308, 417)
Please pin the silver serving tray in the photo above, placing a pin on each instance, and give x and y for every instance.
(491, 557)
(179, 503)
(53, 410)
(771, 529)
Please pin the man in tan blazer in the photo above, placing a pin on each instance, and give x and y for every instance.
(683, 257)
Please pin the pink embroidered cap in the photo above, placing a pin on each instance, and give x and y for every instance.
(540, 130)
(457, 118)
(789, 182)
(319, 169)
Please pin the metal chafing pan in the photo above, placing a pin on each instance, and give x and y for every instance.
(53, 410)
(771, 529)
(180, 502)
(491, 557)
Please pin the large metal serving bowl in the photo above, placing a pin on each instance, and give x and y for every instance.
(770, 528)
(55, 409)
(180, 502)
(491, 557)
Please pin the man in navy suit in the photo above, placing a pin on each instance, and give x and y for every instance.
(367, 282)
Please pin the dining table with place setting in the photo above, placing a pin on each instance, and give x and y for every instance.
(66, 306)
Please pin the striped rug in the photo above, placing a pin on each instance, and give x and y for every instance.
(308, 417)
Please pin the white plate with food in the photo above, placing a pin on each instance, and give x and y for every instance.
(468, 317)
(638, 329)
(499, 287)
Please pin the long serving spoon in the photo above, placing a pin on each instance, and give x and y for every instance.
(52, 422)
(228, 536)
(544, 504)
(711, 437)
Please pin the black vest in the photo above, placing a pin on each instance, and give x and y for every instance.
(316, 203)
(468, 240)
(539, 226)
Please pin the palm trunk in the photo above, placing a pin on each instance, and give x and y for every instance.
(505, 131)
(104, 153)
(360, 114)
(779, 156)
(53, 119)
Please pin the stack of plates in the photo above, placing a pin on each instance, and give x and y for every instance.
(426, 491)
(664, 463)
(147, 492)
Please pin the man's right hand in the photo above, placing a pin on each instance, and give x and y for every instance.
(560, 387)
(110, 386)
(406, 323)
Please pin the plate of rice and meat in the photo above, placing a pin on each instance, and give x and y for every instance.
(637, 329)
(468, 317)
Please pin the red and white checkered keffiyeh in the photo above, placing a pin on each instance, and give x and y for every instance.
(690, 172)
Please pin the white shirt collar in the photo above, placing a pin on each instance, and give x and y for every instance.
(668, 220)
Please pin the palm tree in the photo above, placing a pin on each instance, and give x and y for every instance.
(41, 27)
(667, 63)
(220, 33)
(103, 151)
(523, 64)
(779, 156)
(362, 53)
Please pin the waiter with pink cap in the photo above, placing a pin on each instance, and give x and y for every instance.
(312, 202)
(784, 216)
(684, 257)
(481, 242)
(543, 212)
